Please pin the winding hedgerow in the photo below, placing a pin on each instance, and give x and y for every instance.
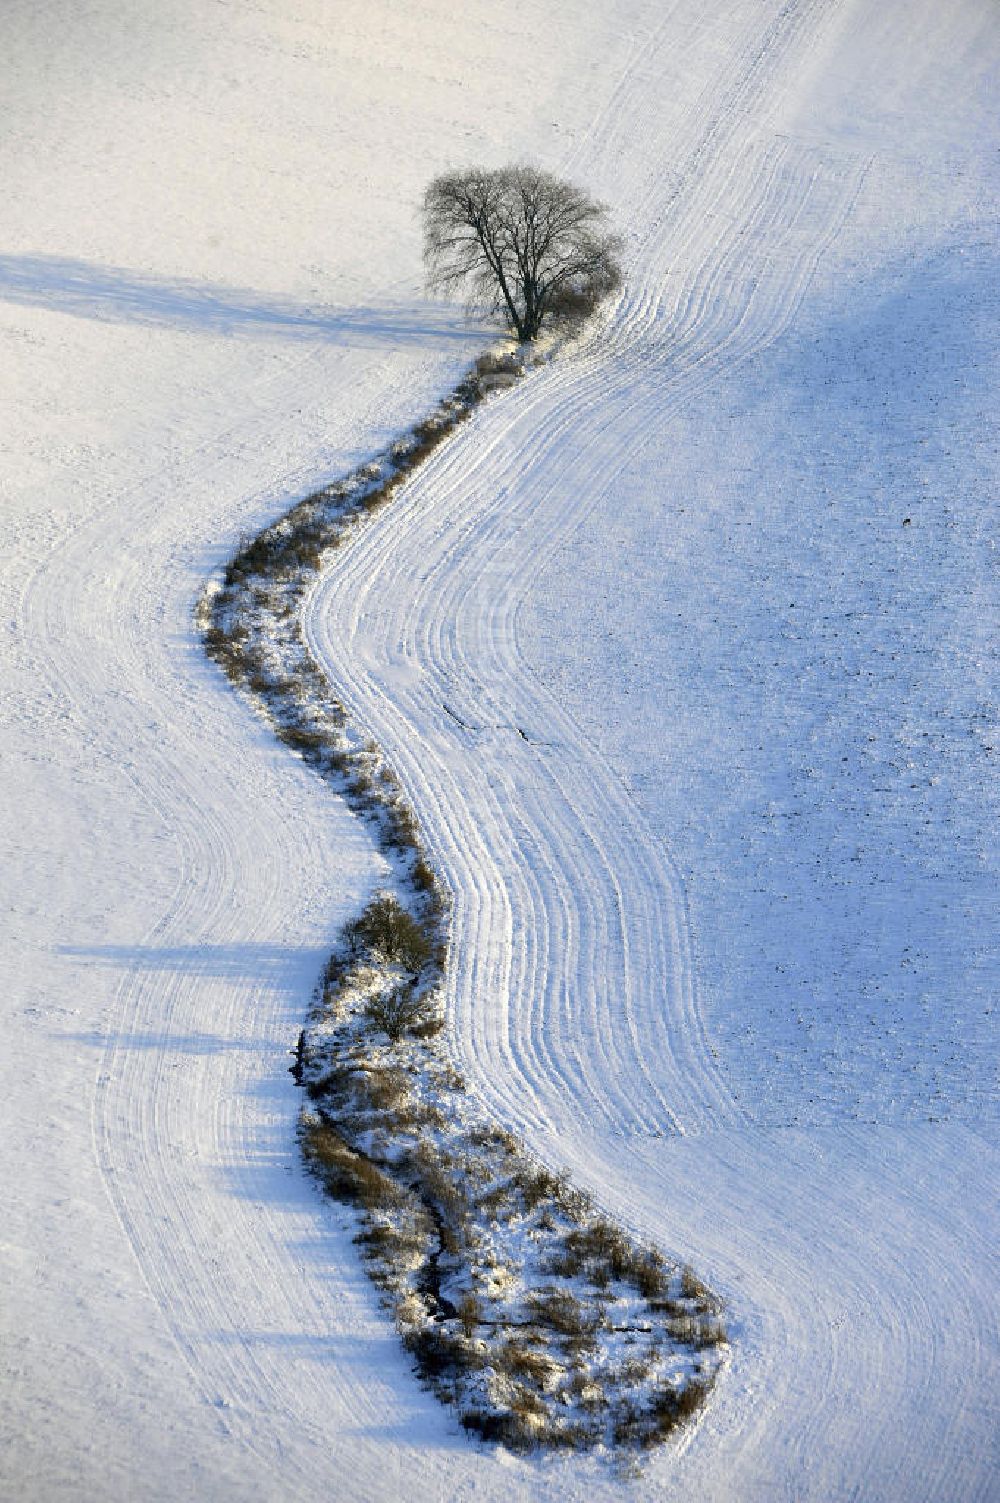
(541, 1321)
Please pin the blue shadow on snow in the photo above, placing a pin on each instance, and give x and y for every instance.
(114, 295)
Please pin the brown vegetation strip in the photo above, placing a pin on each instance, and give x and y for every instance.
(541, 1321)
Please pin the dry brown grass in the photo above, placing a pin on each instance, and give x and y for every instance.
(524, 1357)
(470, 1313)
(346, 1175)
(692, 1286)
(560, 1311)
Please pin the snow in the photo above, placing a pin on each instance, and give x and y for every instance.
(209, 301)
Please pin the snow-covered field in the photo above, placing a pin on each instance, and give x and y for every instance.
(713, 592)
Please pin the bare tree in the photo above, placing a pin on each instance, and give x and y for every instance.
(520, 242)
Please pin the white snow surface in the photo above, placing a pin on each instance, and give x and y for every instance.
(712, 596)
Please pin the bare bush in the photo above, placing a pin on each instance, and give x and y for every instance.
(693, 1288)
(562, 1312)
(470, 1313)
(402, 1010)
(386, 928)
(523, 1359)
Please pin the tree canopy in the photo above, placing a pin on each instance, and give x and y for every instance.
(520, 242)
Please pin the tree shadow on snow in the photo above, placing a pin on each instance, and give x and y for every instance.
(227, 961)
(115, 295)
(283, 971)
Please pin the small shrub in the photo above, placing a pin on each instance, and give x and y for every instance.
(537, 1185)
(523, 1360)
(568, 1436)
(431, 428)
(451, 1079)
(501, 1429)
(499, 1195)
(470, 1313)
(669, 1407)
(599, 1249)
(401, 1011)
(633, 1370)
(528, 1407)
(630, 1429)
(573, 305)
(711, 1332)
(384, 1089)
(422, 875)
(333, 972)
(400, 828)
(399, 1248)
(494, 1137)
(387, 929)
(442, 1190)
(439, 1352)
(468, 393)
(429, 1028)
(310, 744)
(361, 788)
(650, 1274)
(692, 1286)
(494, 364)
(336, 1086)
(216, 640)
(561, 1311)
(666, 1305)
(683, 1328)
(586, 1390)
